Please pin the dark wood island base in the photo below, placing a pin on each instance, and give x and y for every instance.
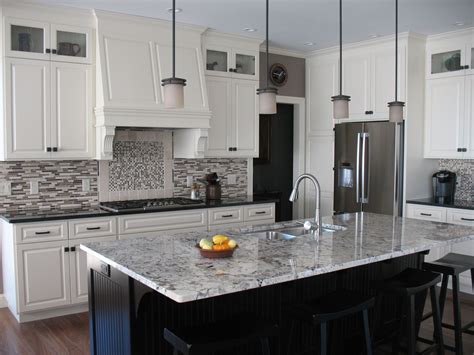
(127, 317)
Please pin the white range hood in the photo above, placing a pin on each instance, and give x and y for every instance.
(133, 55)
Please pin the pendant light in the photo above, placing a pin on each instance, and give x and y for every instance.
(341, 102)
(174, 87)
(267, 95)
(396, 107)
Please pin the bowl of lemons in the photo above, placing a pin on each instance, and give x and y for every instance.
(219, 246)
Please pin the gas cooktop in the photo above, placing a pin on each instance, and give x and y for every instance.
(149, 205)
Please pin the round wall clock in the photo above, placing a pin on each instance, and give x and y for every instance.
(278, 74)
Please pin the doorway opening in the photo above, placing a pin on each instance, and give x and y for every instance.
(273, 169)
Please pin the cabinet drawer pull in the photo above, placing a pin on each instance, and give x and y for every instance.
(92, 228)
(467, 219)
(227, 215)
(426, 214)
(260, 212)
(42, 233)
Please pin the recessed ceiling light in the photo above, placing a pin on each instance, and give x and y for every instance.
(177, 10)
(459, 24)
(309, 44)
(250, 29)
(374, 35)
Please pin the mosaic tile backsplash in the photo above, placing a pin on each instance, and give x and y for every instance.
(223, 167)
(464, 169)
(59, 183)
(142, 167)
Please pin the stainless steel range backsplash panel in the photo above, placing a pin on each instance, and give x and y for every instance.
(464, 169)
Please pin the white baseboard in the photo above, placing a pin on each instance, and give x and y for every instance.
(3, 301)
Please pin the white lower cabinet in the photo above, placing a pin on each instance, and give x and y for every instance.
(43, 276)
(45, 273)
(78, 268)
(450, 215)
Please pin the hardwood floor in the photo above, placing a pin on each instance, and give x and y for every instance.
(69, 335)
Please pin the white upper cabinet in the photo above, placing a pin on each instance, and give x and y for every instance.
(230, 62)
(445, 115)
(449, 56)
(47, 41)
(28, 108)
(368, 78)
(449, 103)
(232, 82)
(72, 130)
(356, 76)
(48, 110)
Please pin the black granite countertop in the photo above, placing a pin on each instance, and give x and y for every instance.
(39, 215)
(462, 204)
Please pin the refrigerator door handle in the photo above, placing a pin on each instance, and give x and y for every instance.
(365, 167)
(358, 169)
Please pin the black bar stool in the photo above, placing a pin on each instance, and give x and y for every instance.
(406, 285)
(221, 335)
(452, 265)
(331, 307)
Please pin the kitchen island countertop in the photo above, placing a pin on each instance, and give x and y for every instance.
(172, 265)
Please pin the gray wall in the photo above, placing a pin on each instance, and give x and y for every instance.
(295, 86)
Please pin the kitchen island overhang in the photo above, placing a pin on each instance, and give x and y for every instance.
(167, 278)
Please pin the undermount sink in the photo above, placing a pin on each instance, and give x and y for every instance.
(295, 232)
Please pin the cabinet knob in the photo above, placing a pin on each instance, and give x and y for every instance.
(66, 249)
(47, 50)
(48, 149)
(466, 67)
(55, 149)
(54, 51)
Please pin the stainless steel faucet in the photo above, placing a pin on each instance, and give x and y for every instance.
(294, 197)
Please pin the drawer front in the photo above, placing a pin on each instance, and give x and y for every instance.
(92, 227)
(218, 216)
(41, 232)
(457, 216)
(427, 213)
(259, 212)
(154, 222)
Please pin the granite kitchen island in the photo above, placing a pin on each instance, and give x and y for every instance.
(138, 286)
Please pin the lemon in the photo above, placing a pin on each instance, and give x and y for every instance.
(219, 239)
(232, 244)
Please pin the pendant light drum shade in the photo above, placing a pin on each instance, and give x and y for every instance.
(395, 113)
(173, 92)
(173, 88)
(340, 102)
(267, 98)
(341, 106)
(267, 95)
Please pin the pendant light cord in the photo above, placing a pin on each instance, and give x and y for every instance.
(174, 38)
(340, 47)
(396, 50)
(266, 59)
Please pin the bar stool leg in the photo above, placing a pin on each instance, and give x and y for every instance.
(442, 295)
(411, 336)
(368, 342)
(437, 320)
(324, 340)
(265, 346)
(457, 316)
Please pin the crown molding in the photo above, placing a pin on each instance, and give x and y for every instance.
(374, 41)
(211, 32)
(283, 51)
(451, 34)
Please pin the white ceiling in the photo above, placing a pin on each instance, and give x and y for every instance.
(294, 22)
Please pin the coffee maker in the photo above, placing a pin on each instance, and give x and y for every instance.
(444, 187)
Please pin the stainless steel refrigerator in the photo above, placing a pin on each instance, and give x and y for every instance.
(368, 167)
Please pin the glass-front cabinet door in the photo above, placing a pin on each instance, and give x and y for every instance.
(245, 64)
(71, 44)
(27, 39)
(446, 62)
(218, 61)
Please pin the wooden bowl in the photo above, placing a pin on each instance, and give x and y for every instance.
(216, 254)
